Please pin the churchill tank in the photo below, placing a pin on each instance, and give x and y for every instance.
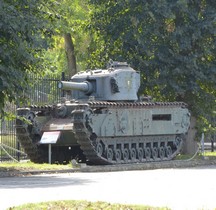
(101, 120)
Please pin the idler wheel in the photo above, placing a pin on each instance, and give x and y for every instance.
(161, 152)
(154, 153)
(147, 153)
(118, 155)
(168, 151)
(140, 153)
(133, 154)
(125, 154)
(109, 154)
(99, 149)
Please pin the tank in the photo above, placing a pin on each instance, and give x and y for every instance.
(101, 120)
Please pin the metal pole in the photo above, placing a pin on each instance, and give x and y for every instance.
(50, 153)
(18, 154)
(63, 78)
(212, 143)
(202, 144)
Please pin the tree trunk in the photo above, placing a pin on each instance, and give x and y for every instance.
(191, 146)
(71, 59)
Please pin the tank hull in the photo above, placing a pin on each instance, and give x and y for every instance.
(100, 132)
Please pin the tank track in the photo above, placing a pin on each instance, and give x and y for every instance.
(27, 140)
(120, 150)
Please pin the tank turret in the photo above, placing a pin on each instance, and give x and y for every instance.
(119, 82)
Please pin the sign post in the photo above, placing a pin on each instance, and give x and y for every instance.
(50, 138)
(202, 145)
(50, 153)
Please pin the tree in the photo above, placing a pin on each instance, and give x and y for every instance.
(23, 33)
(70, 40)
(172, 43)
(71, 57)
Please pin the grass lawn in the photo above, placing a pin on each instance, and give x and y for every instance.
(83, 205)
(199, 156)
(29, 166)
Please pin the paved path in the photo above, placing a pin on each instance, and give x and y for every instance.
(193, 188)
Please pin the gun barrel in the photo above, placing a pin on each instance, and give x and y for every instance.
(82, 86)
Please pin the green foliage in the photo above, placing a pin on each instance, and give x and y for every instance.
(22, 38)
(67, 17)
(172, 43)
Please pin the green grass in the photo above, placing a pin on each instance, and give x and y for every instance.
(199, 156)
(82, 205)
(29, 166)
(210, 154)
(183, 157)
